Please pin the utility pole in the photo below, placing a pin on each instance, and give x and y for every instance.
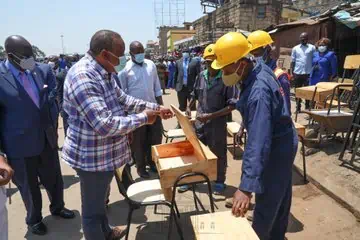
(62, 44)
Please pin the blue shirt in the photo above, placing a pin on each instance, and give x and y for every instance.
(141, 81)
(16, 72)
(267, 120)
(302, 56)
(185, 67)
(324, 67)
(62, 63)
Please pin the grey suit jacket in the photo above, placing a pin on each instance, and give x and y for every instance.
(193, 71)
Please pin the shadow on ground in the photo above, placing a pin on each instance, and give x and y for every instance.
(70, 180)
(60, 229)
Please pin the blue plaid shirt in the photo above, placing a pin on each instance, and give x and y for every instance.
(96, 138)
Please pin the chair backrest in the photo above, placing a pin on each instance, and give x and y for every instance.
(352, 62)
(123, 179)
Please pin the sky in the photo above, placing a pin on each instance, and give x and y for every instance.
(42, 22)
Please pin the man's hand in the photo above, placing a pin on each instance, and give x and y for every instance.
(151, 116)
(6, 172)
(239, 136)
(165, 113)
(204, 117)
(241, 203)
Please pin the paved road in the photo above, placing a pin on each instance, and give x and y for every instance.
(313, 215)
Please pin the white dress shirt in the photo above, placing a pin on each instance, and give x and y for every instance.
(141, 81)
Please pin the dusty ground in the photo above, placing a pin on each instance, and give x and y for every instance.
(314, 215)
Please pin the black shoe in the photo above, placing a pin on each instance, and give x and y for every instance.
(38, 228)
(65, 213)
(143, 174)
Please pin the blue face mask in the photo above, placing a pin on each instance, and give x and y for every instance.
(121, 65)
(186, 55)
(139, 58)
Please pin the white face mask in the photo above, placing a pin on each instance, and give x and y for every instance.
(322, 49)
(26, 63)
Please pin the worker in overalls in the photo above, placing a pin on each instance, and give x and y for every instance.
(261, 48)
(272, 139)
(215, 102)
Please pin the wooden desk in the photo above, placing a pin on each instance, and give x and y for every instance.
(193, 116)
(222, 226)
(308, 92)
(300, 129)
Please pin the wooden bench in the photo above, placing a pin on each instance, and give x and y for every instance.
(222, 226)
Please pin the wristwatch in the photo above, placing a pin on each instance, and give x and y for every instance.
(3, 155)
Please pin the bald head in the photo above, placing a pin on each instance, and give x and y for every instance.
(304, 38)
(19, 46)
(136, 47)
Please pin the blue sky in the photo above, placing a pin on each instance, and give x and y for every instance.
(43, 21)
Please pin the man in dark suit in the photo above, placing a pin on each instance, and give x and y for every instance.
(28, 115)
(186, 71)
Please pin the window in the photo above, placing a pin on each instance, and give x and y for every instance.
(261, 11)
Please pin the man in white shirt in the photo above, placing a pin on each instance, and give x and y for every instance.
(301, 64)
(140, 79)
(6, 174)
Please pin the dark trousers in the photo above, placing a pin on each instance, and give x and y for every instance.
(301, 81)
(183, 97)
(143, 138)
(28, 171)
(94, 188)
(65, 122)
(213, 134)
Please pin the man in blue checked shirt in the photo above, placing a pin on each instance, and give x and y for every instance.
(97, 142)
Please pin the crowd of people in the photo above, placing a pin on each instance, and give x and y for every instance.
(112, 111)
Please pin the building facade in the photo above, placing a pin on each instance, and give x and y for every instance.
(237, 15)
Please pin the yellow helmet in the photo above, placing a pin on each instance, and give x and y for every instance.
(229, 49)
(209, 52)
(259, 39)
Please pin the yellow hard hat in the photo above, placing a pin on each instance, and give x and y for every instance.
(229, 49)
(259, 39)
(209, 51)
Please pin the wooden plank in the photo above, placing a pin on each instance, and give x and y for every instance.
(352, 62)
(189, 133)
(307, 93)
(222, 226)
(300, 129)
(182, 148)
(176, 162)
(233, 128)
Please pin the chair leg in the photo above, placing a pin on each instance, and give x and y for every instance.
(155, 209)
(210, 196)
(234, 157)
(304, 162)
(177, 210)
(167, 139)
(172, 215)
(195, 199)
(129, 222)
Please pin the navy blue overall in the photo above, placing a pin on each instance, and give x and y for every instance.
(270, 151)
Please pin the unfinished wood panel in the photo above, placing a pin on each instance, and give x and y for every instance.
(173, 149)
(222, 226)
(176, 162)
(352, 62)
(300, 129)
(189, 132)
(307, 93)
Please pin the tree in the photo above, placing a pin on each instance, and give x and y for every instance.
(37, 52)
(2, 52)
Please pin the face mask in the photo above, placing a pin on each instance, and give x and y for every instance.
(185, 55)
(26, 63)
(232, 79)
(139, 58)
(122, 63)
(322, 49)
(304, 43)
